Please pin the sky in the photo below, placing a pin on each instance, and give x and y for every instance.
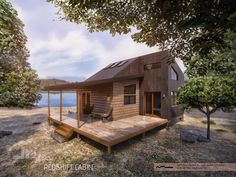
(65, 50)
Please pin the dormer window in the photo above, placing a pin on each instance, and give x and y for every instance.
(174, 75)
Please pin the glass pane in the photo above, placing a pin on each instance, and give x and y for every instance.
(148, 103)
(122, 63)
(173, 98)
(130, 89)
(157, 103)
(126, 100)
(132, 99)
(88, 99)
(174, 75)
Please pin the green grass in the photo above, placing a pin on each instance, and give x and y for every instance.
(211, 122)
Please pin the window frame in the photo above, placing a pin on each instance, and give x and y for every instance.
(152, 66)
(129, 96)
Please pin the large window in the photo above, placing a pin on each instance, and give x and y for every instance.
(173, 98)
(174, 75)
(152, 66)
(130, 94)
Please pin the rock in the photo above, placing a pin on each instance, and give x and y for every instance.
(188, 137)
(5, 133)
(58, 137)
(202, 138)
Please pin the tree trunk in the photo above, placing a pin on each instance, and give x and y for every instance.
(208, 126)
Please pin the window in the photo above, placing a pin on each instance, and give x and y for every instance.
(130, 94)
(152, 66)
(122, 63)
(116, 64)
(109, 66)
(173, 98)
(174, 75)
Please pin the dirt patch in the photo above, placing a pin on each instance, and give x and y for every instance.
(30, 150)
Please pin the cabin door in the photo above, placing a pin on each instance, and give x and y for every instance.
(152, 103)
(85, 101)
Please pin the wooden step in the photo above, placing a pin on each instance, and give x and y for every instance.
(65, 128)
(64, 131)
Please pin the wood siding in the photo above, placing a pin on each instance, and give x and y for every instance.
(155, 80)
(173, 85)
(120, 110)
(101, 96)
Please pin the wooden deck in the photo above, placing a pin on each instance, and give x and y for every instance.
(113, 132)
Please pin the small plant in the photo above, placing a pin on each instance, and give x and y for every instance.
(221, 130)
(212, 122)
(23, 162)
(158, 158)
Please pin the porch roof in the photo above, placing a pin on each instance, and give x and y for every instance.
(77, 85)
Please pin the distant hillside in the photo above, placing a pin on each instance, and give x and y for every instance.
(47, 82)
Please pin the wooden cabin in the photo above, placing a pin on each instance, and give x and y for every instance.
(141, 92)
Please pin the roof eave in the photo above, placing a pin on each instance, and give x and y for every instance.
(77, 85)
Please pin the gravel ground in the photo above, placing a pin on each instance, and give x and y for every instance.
(30, 150)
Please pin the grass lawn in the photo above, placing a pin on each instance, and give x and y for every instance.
(42, 156)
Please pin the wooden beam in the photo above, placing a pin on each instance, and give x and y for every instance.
(48, 103)
(60, 105)
(152, 103)
(78, 105)
(144, 104)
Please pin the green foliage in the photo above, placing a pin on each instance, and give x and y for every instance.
(19, 84)
(218, 63)
(13, 52)
(187, 27)
(19, 89)
(208, 93)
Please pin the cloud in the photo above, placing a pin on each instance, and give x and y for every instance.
(66, 50)
(77, 50)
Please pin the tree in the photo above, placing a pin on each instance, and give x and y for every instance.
(208, 94)
(212, 83)
(19, 84)
(186, 27)
(19, 89)
(13, 52)
(221, 63)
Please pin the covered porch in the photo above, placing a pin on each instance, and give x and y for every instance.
(107, 133)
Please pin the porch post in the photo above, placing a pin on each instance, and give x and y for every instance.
(78, 106)
(152, 103)
(48, 104)
(60, 105)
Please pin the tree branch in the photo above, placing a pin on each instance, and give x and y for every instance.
(213, 110)
(201, 110)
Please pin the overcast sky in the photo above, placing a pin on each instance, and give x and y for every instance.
(63, 50)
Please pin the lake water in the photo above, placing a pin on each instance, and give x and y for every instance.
(68, 99)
